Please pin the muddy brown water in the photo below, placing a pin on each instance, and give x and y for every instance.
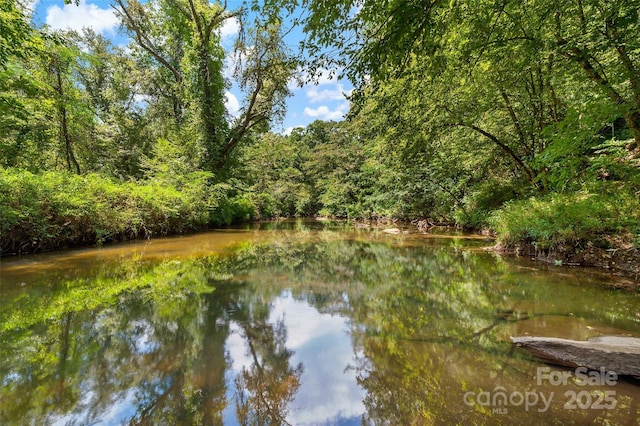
(303, 322)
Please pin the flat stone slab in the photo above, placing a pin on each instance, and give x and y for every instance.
(613, 353)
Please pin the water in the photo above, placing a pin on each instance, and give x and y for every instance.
(301, 322)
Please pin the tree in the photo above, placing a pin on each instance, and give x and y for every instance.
(19, 44)
(111, 82)
(182, 37)
(59, 63)
(381, 40)
(601, 38)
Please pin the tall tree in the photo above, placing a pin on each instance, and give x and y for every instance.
(183, 38)
(59, 65)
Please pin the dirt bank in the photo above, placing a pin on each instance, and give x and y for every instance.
(624, 261)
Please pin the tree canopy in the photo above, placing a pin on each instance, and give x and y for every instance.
(460, 107)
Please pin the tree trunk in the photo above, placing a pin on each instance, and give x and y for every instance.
(65, 137)
(611, 353)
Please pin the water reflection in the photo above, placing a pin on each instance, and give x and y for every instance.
(321, 341)
(312, 327)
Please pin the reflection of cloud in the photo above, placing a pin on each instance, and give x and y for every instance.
(121, 409)
(236, 348)
(336, 94)
(329, 390)
(81, 16)
(324, 113)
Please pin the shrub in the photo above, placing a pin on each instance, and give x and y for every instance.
(58, 209)
(488, 197)
(266, 206)
(227, 207)
(568, 218)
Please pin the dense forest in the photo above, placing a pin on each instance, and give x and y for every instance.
(522, 117)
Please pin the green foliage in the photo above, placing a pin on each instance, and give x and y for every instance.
(56, 210)
(485, 198)
(459, 108)
(474, 104)
(227, 205)
(174, 164)
(569, 218)
(16, 35)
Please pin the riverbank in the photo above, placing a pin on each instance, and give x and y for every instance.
(598, 226)
(622, 261)
(57, 210)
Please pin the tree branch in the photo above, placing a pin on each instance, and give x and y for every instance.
(144, 41)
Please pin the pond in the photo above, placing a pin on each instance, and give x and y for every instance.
(302, 322)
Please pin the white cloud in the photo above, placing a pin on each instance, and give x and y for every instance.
(324, 76)
(295, 82)
(289, 129)
(229, 66)
(230, 27)
(336, 94)
(140, 100)
(234, 59)
(231, 103)
(324, 113)
(84, 15)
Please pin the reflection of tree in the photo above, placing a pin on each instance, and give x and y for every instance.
(432, 322)
(160, 348)
(269, 384)
(428, 324)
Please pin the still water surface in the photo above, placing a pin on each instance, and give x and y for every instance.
(300, 322)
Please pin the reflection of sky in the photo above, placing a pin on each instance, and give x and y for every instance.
(328, 393)
(119, 412)
(124, 405)
(238, 354)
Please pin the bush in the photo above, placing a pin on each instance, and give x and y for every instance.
(58, 209)
(568, 218)
(488, 197)
(266, 206)
(226, 207)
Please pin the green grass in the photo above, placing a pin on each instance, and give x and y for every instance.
(573, 218)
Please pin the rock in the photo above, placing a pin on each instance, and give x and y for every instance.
(361, 225)
(391, 231)
(613, 353)
(424, 225)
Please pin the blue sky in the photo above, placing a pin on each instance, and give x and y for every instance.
(322, 101)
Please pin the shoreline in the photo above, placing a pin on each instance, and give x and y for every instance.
(620, 261)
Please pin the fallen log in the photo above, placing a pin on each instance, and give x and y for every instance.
(613, 353)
